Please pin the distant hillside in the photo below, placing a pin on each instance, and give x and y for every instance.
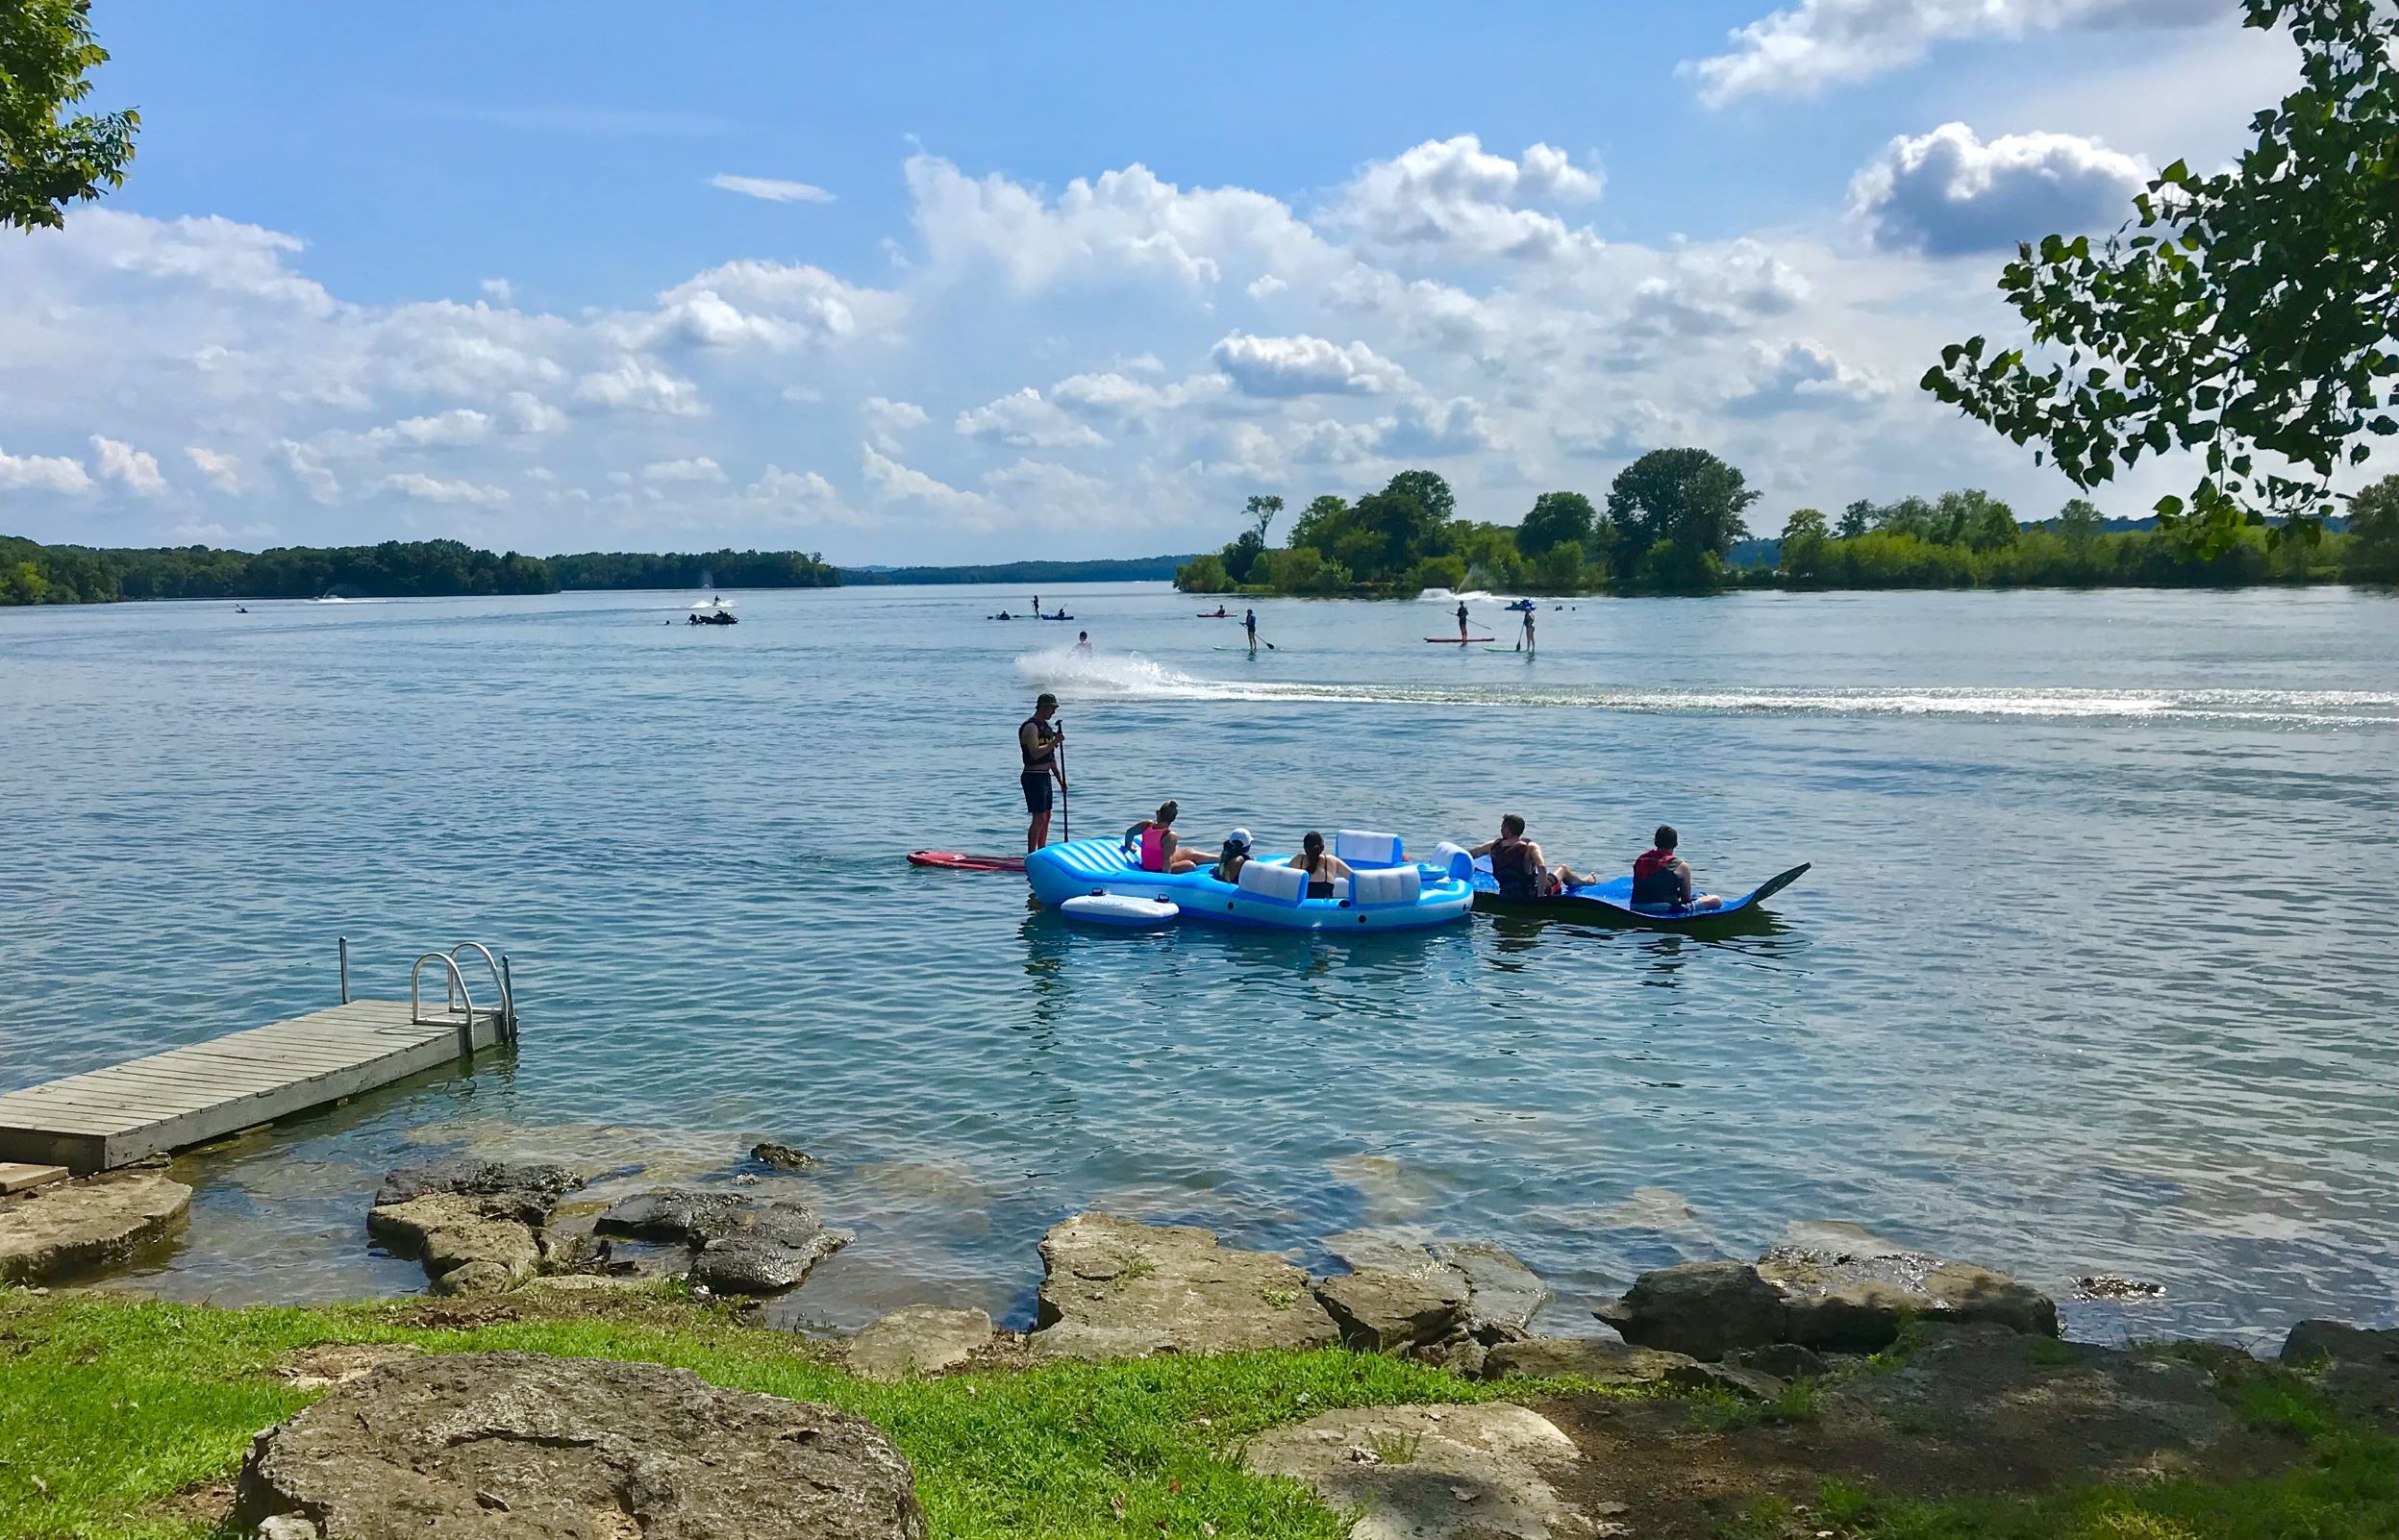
(1130, 569)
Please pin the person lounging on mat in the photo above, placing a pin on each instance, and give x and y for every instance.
(1661, 879)
(1522, 869)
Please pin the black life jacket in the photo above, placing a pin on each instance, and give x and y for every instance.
(1511, 864)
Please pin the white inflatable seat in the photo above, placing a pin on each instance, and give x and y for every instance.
(1388, 887)
(1453, 858)
(1273, 881)
(1360, 847)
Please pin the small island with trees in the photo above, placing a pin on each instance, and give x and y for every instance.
(1672, 523)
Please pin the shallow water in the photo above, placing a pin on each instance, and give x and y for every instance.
(2095, 971)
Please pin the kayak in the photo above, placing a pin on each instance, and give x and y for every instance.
(1460, 641)
(1389, 892)
(1610, 903)
(950, 861)
(1215, 617)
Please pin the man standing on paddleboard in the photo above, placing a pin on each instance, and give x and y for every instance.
(1249, 624)
(1039, 742)
(1462, 620)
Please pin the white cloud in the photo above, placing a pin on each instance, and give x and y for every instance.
(1947, 192)
(308, 468)
(120, 461)
(499, 291)
(635, 385)
(529, 413)
(1450, 201)
(1436, 430)
(886, 420)
(217, 468)
(771, 189)
(1026, 420)
(1816, 44)
(433, 489)
(1266, 286)
(1718, 288)
(462, 425)
(1800, 375)
(48, 473)
(698, 468)
(799, 497)
(891, 482)
(1304, 366)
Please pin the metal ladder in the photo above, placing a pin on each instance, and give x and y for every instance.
(459, 1008)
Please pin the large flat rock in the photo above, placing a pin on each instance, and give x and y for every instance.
(465, 1249)
(919, 1339)
(514, 1446)
(71, 1226)
(1118, 1289)
(1488, 1472)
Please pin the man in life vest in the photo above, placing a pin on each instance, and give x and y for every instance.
(1037, 741)
(1522, 869)
(1661, 880)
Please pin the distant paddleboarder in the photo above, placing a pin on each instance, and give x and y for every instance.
(1524, 644)
(1462, 620)
(1249, 625)
(1039, 742)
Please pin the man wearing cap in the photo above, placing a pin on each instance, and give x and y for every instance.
(1039, 742)
(1236, 856)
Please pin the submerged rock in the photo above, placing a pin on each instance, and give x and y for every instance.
(742, 1244)
(1117, 1289)
(521, 1190)
(920, 1339)
(516, 1444)
(69, 1227)
(1379, 1310)
(1430, 1473)
(782, 1156)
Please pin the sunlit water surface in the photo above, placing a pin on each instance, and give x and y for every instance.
(2095, 971)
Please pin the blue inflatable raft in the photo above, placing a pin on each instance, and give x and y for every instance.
(1610, 903)
(1389, 892)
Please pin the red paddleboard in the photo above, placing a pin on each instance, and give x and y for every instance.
(1458, 642)
(950, 861)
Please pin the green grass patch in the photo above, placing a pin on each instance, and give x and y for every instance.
(109, 1407)
(1721, 1411)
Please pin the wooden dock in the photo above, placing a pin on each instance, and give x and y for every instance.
(187, 1095)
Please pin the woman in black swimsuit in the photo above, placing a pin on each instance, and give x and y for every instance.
(1321, 868)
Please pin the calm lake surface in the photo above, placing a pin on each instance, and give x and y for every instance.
(2097, 970)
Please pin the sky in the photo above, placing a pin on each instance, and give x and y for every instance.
(943, 284)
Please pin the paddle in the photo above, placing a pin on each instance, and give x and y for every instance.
(1065, 804)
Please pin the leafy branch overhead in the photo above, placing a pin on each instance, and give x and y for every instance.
(48, 161)
(2251, 317)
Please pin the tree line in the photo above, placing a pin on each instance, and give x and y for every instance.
(35, 574)
(1672, 517)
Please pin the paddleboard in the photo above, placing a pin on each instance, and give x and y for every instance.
(1502, 648)
(1460, 641)
(950, 861)
(1235, 648)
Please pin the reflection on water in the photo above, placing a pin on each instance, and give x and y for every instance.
(2093, 972)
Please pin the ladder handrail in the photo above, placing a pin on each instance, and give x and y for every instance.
(499, 982)
(456, 981)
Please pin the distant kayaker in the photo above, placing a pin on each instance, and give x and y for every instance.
(1522, 869)
(1462, 620)
(1154, 840)
(1662, 877)
(1320, 866)
(1039, 742)
(1235, 856)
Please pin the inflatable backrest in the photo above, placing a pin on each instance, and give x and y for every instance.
(1386, 887)
(1453, 858)
(1273, 881)
(1359, 848)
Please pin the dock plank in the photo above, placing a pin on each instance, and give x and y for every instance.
(199, 1092)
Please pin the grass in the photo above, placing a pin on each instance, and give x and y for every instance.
(1720, 1411)
(109, 1407)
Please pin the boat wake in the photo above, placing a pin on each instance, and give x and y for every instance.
(1129, 675)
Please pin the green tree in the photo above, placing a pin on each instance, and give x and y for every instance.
(1675, 513)
(1858, 519)
(1562, 568)
(1243, 553)
(1557, 517)
(22, 584)
(2373, 546)
(2256, 310)
(1804, 539)
(1439, 572)
(48, 161)
(1427, 488)
(1204, 573)
(2078, 522)
(1302, 569)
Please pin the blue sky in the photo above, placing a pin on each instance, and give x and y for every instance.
(962, 282)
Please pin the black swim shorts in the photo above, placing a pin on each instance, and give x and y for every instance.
(1037, 791)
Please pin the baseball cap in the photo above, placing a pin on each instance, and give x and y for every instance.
(1239, 837)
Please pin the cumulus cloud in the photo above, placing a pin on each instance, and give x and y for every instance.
(1266, 286)
(1026, 420)
(799, 497)
(780, 306)
(1717, 289)
(1816, 44)
(529, 413)
(1436, 430)
(133, 468)
(217, 468)
(1948, 192)
(771, 188)
(891, 482)
(698, 468)
(433, 489)
(1800, 375)
(46, 473)
(1450, 201)
(307, 467)
(1304, 366)
(635, 385)
(888, 420)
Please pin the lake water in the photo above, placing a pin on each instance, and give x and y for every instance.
(2095, 971)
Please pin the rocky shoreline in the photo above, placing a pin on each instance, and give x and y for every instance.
(1909, 1355)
